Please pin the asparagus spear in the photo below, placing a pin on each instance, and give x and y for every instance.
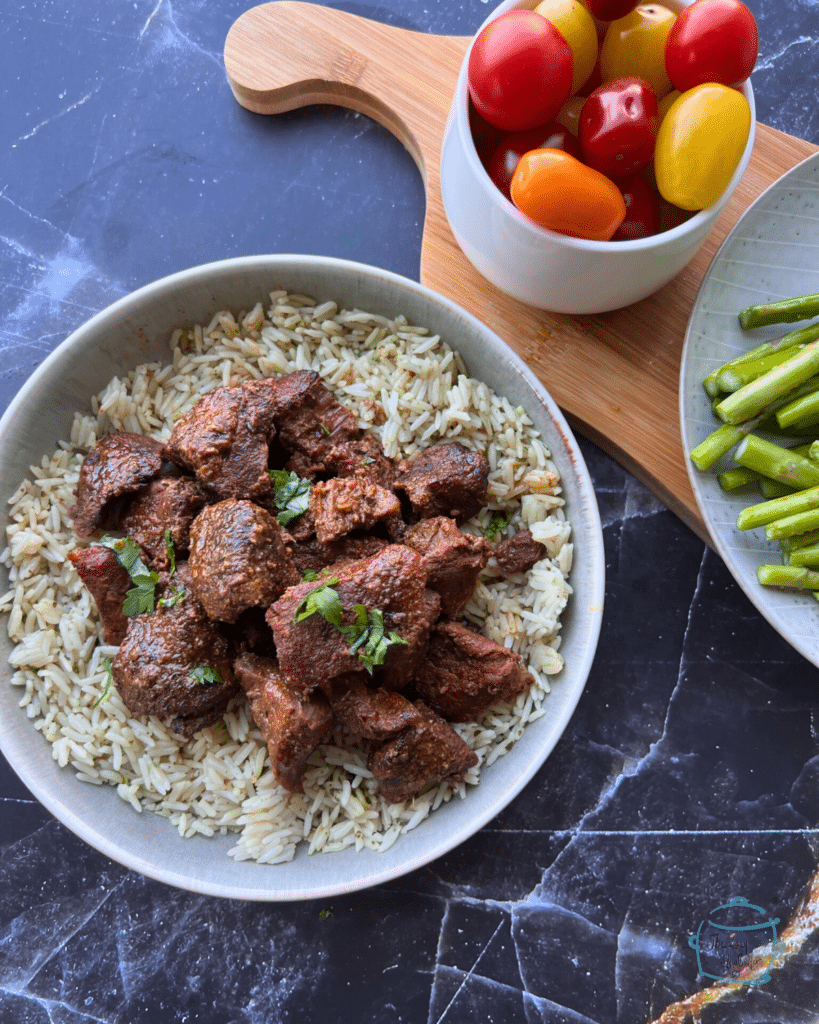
(809, 555)
(737, 476)
(732, 378)
(792, 526)
(785, 311)
(794, 576)
(766, 512)
(782, 464)
(755, 397)
(788, 341)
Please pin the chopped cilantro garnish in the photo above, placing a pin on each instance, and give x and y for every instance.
(176, 596)
(106, 664)
(366, 636)
(499, 523)
(325, 914)
(324, 600)
(291, 493)
(140, 599)
(205, 675)
(170, 551)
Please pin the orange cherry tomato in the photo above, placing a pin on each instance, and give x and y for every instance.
(560, 193)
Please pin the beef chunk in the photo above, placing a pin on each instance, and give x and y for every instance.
(159, 667)
(444, 480)
(453, 559)
(393, 581)
(344, 504)
(312, 555)
(117, 465)
(518, 553)
(108, 582)
(250, 632)
(363, 457)
(420, 757)
(224, 441)
(238, 559)
(366, 713)
(465, 673)
(169, 503)
(309, 419)
(292, 725)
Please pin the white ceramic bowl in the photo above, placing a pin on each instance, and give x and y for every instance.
(544, 268)
(136, 329)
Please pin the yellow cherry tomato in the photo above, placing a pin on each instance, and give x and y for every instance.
(635, 45)
(699, 144)
(569, 113)
(576, 25)
(562, 194)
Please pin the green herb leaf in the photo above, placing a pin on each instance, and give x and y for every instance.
(106, 664)
(310, 576)
(323, 600)
(205, 675)
(366, 636)
(176, 596)
(499, 523)
(128, 555)
(141, 600)
(291, 494)
(170, 551)
(325, 914)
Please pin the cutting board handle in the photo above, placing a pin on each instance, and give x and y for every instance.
(286, 54)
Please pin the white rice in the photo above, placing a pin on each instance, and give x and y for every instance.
(410, 388)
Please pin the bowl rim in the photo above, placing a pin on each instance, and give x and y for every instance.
(59, 800)
(697, 223)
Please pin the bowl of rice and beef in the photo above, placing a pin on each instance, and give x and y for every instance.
(301, 558)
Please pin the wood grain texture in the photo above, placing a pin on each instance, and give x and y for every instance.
(615, 375)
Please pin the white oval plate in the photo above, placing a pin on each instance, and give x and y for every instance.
(136, 329)
(771, 253)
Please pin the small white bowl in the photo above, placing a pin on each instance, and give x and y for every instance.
(136, 329)
(544, 268)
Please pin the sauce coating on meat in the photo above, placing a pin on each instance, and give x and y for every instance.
(445, 479)
(238, 559)
(223, 440)
(518, 553)
(344, 504)
(465, 673)
(175, 663)
(292, 725)
(453, 560)
(169, 503)
(418, 758)
(117, 465)
(108, 582)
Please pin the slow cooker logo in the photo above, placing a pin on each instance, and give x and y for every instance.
(736, 942)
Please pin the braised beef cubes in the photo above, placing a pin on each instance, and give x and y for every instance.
(274, 549)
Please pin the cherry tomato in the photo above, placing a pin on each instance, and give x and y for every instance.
(576, 25)
(642, 209)
(506, 157)
(664, 105)
(635, 45)
(700, 143)
(608, 10)
(519, 71)
(712, 41)
(563, 194)
(618, 127)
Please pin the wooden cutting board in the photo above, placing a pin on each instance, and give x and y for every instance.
(616, 374)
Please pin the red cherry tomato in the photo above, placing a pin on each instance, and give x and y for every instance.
(562, 194)
(506, 157)
(609, 10)
(519, 71)
(618, 127)
(712, 41)
(642, 209)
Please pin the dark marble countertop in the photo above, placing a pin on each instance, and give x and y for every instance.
(689, 774)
